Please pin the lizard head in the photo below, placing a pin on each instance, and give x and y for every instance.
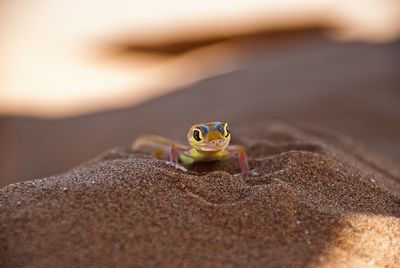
(209, 137)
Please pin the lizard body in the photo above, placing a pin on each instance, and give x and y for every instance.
(208, 142)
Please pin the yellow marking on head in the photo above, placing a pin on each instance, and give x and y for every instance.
(214, 135)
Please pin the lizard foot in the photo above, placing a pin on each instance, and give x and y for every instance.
(176, 165)
(252, 173)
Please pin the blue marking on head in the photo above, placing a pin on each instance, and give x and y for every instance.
(218, 126)
(204, 128)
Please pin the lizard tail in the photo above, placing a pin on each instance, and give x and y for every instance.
(156, 145)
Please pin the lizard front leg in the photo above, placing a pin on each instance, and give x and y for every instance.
(243, 160)
(173, 155)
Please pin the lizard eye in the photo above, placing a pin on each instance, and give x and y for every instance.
(196, 135)
(227, 131)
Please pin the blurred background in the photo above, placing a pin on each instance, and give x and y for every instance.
(81, 77)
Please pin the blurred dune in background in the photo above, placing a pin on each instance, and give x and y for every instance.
(350, 88)
(80, 77)
(63, 58)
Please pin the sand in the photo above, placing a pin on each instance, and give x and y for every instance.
(320, 200)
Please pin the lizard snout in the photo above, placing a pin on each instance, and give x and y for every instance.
(217, 142)
(216, 139)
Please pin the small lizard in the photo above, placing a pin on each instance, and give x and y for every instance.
(208, 142)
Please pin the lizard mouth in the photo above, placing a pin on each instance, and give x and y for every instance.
(211, 147)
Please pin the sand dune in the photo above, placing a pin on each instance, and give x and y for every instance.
(320, 200)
